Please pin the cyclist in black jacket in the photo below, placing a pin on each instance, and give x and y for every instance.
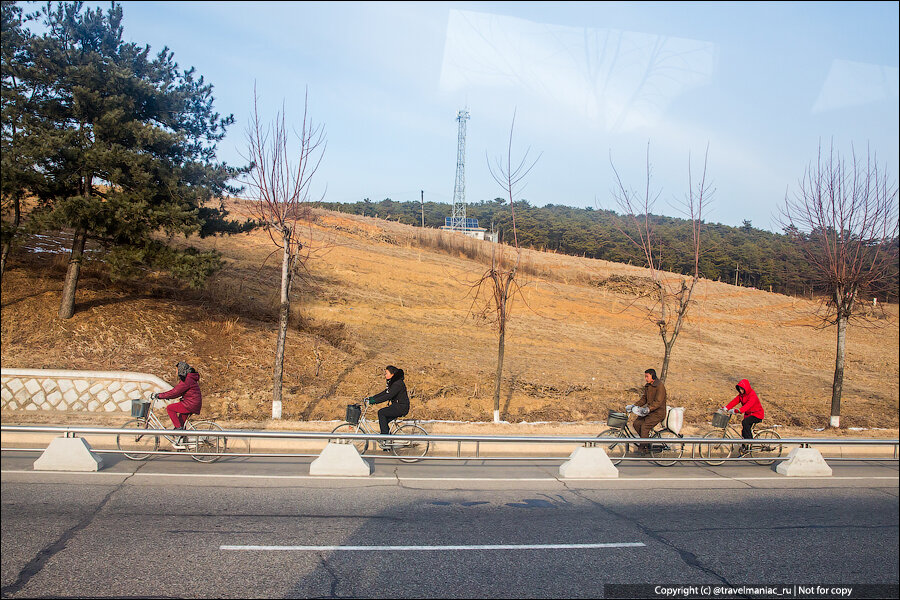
(396, 394)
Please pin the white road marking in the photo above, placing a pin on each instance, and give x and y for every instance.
(436, 548)
(636, 479)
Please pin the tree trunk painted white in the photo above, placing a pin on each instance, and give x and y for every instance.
(498, 378)
(284, 314)
(838, 385)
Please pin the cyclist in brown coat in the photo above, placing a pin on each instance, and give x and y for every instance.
(652, 405)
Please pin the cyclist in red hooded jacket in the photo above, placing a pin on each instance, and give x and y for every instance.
(188, 389)
(751, 408)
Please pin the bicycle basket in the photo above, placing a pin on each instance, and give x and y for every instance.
(720, 420)
(617, 419)
(353, 412)
(139, 408)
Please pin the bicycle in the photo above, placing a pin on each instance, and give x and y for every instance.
(139, 446)
(763, 453)
(664, 453)
(406, 450)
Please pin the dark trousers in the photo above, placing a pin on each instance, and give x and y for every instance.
(389, 413)
(643, 426)
(747, 426)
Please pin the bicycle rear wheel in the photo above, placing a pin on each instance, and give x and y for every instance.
(712, 453)
(209, 445)
(361, 445)
(410, 450)
(766, 447)
(666, 451)
(616, 451)
(137, 445)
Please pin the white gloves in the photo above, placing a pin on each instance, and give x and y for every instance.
(629, 407)
(641, 411)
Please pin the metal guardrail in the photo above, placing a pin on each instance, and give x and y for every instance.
(68, 431)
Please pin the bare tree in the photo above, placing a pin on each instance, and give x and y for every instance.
(847, 215)
(670, 300)
(279, 181)
(495, 290)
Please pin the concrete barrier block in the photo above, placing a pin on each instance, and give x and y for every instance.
(804, 462)
(588, 463)
(341, 460)
(68, 454)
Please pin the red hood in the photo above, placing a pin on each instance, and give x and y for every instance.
(750, 404)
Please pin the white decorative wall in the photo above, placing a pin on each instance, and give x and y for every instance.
(92, 391)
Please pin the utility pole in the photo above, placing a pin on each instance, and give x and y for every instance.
(423, 208)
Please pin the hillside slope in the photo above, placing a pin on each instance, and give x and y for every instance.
(377, 293)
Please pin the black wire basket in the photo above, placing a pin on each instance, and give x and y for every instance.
(721, 420)
(139, 408)
(617, 419)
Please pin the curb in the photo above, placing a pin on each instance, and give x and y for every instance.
(13, 440)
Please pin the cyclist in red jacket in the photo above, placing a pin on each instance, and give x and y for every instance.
(188, 389)
(751, 408)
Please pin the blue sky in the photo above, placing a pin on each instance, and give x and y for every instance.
(760, 83)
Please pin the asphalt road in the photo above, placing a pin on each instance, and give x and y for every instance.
(249, 528)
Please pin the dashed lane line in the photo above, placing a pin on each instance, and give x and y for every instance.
(433, 548)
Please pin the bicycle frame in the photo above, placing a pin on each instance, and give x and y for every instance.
(664, 448)
(408, 450)
(368, 425)
(153, 422)
(733, 434)
(763, 447)
(631, 433)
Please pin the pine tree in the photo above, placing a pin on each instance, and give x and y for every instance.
(124, 142)
(17, 100)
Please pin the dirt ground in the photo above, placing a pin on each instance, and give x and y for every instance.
(577, 344)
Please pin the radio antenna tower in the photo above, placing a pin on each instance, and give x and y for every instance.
(458, 216)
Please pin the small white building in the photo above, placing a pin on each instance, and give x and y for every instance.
(470, 229)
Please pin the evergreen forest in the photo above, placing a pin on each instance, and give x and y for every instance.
(745, 255)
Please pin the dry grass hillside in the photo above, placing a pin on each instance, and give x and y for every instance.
(382, 293)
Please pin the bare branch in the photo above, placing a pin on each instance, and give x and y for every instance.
(847, 219)
(671, 301)
(279, 187)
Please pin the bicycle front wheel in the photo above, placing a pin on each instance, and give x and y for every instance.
(137, 445)
(361, 445)
(766, 447)
(410, 450)
(714, 454)
(668, 449)
(616, 451)
(211, 446)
